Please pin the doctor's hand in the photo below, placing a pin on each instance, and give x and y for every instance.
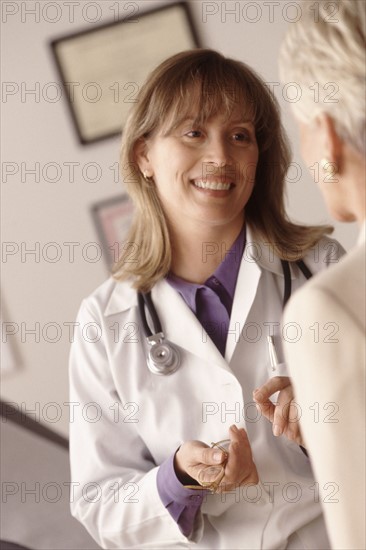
(285, 414)
(196, 461)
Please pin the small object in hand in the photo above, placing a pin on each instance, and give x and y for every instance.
(213, 486)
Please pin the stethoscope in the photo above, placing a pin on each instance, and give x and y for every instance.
(163, 357)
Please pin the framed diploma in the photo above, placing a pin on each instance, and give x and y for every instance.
(102, 69)
(112, 218)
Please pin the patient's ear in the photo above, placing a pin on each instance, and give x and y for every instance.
(140, 152)
(332, 143)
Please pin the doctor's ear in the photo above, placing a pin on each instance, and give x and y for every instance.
(140, 151)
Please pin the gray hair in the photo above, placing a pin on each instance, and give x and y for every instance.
(324, 53)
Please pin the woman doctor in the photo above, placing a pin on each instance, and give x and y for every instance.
(204, 159)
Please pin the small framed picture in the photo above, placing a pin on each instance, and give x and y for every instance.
(112, 218)
(102, 69)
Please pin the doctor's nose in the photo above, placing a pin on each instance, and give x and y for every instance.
(217, 160)
(218, 152)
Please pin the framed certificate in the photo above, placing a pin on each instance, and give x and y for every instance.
(102, 69)
(112, 218)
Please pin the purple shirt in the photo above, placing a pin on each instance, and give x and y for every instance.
(211, 302)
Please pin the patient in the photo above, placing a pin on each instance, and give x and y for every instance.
(324, 53)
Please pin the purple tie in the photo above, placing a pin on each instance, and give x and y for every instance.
(213, 316)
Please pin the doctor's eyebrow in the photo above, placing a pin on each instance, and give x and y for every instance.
(191, 120)
(241, 121)
(177, 125)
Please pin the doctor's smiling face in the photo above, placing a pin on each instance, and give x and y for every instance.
(203, 148)
(203, 170)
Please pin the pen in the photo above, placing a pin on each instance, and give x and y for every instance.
(272, 353)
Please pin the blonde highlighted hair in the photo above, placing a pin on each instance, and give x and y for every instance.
(164, 100)
(324, 52)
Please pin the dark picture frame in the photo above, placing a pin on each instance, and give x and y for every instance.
(103, 68)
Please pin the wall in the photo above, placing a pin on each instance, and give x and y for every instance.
(43, 295)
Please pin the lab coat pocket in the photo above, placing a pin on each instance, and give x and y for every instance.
(280, 369)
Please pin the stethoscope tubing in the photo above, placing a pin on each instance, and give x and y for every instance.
(159, 346)
(144, 299)
(287, 277)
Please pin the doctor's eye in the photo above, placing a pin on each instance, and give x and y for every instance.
(194, 134)
(242, 136)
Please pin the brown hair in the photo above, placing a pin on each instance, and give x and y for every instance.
(164, 100)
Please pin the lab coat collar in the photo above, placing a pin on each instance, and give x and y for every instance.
(186, 331)
(262, 253)
(257, 255)
(122, 298)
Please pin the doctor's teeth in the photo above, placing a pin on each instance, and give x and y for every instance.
(217, 186)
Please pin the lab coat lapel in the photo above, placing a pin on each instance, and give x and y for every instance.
(245, 291)
(181, 326)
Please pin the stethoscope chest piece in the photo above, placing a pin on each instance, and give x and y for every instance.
(163, 358)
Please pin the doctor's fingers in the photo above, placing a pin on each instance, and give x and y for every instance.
(227, 484)
(292, 427)
(212, 456)
(278, 414)
(195, 453)
(207, 464)
(267, 409)
(283, 416)
(273, 385)
(239, 473)
(240, 468)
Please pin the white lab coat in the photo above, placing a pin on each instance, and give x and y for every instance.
(127, 421)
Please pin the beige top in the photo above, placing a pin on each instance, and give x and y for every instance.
(327, 366)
